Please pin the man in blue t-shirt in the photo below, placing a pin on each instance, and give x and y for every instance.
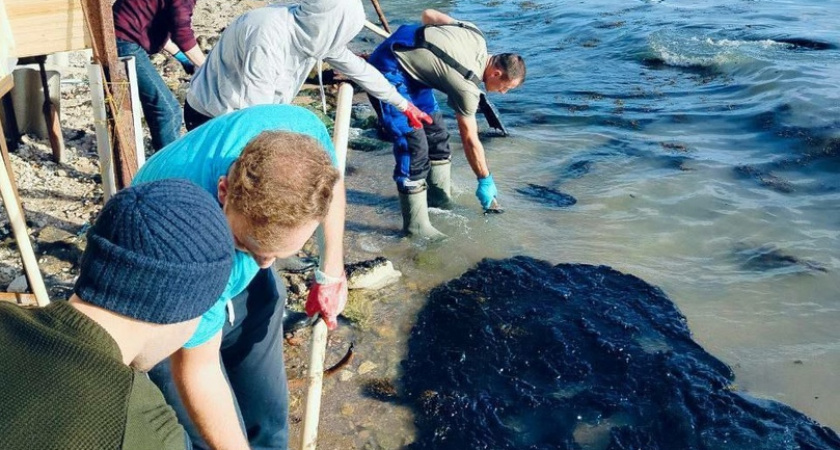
(270, 168)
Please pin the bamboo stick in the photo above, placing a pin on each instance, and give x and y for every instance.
(136, 109)
(18, 223)
(318, 346)
(100, 125)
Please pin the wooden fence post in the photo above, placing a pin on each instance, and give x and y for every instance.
(8, 193)
(100, 22)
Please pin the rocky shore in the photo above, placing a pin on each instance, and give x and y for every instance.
(60, 202)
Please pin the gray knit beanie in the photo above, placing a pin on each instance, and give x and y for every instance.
(159, 252)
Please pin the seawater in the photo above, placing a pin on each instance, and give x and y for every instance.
(702, 143)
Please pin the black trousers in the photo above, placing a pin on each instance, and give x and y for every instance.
(193, 118)
(252, 357)
(430, 143)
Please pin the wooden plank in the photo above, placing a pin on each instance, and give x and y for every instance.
(18, 298)
(41, 27)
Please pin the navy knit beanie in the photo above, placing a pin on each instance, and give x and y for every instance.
(159, 252)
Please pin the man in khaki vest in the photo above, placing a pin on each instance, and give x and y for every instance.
(450, 56)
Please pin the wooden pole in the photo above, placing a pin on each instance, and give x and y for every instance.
(136, 108)
(18, 223)
(6, 84)
(372, 27)
(100, 125)
(51, 116)
(100, 22)
(318, 346)
(381, 15)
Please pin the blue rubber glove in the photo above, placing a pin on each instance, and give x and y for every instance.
(486, 191)
(185, 62)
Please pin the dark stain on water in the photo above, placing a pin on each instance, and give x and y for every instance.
(520, 354)
(577, 169)
(764, 258)
(765, 178)
(820, 152)
(357, 197)
(806, 44)
(546, 195)
(701, 69)
(803, 151)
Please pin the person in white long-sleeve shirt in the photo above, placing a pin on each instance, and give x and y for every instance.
(265, 55)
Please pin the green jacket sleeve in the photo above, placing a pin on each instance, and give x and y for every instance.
(151, 424)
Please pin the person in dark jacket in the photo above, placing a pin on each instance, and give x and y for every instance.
(143, 28)
(72, 373)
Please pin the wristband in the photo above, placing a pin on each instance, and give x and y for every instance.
(182, 58)
(324, 279)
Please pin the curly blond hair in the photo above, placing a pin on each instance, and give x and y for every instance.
(280, 181)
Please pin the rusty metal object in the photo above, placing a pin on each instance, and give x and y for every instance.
(296, 383)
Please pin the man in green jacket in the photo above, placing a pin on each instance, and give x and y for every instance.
(72, 373)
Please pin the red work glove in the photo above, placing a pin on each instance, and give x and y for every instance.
(416, 117)
(327, 296)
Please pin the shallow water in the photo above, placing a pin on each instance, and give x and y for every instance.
(702, 147)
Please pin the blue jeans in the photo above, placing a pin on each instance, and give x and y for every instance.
(160, 107)
(252, 357)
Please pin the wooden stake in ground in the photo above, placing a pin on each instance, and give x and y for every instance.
(15, 213)
(318, 348)
(381, 15)
(100, 21)
(51, 116)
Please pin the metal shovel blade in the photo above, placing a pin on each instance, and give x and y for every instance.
(491, 114)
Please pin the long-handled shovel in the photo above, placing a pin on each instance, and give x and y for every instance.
(318, 346)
